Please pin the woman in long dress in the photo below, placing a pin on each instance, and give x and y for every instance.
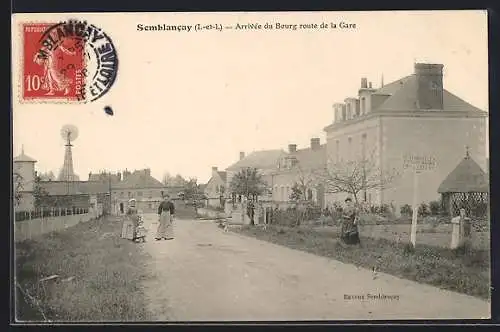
(166, 212)
(349, 232)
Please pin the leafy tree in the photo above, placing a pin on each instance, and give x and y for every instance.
(41, 196)
(179, 181)
(297, 193)
(221, 190)
(249, 183)
(18, 188)
(435, 208)
(191, 189)
(355, 176)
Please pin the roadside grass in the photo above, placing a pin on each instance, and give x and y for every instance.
(463, 271)
(99, 275)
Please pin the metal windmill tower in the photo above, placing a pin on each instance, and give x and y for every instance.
(69, 133)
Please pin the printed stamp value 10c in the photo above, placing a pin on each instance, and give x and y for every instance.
(69, 61)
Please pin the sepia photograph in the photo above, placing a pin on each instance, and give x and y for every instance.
(250, 166)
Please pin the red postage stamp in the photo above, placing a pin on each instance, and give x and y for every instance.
(68, 61)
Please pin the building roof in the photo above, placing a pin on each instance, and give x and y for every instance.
(465, 178)
(138, 180)
(403, 97)
(265, 159)
(55, 188)
(223, 176)
(104, 177)
(312, 159)
(24, 158)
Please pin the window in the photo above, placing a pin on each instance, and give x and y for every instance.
(349, 115)
(139, 193)
(129, 194)
(150, 194)
(363, 146)
(363, 105)
(150, 206)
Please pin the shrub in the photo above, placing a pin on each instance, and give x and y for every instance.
(408, 249)
(435, 208)
(406, 210)
(423, 210)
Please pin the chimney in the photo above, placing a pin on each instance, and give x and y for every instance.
(214, 170)
(119, 176)
(315, 143)
(147, 171)
(242, 155)
(429, 86)
(364, 84)
(90, 174)
(292, 148)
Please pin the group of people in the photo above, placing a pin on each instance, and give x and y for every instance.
(133, 221)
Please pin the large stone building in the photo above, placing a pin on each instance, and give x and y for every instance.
(413, 115)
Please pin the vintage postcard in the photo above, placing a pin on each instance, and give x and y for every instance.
(251, 166)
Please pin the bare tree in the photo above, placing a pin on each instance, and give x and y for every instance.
(167, 179)
(306, 179)
(357, 175)
(48, 176)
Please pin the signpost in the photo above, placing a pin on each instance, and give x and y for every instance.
(418, 164)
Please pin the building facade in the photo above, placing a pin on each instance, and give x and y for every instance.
(23, 181)
(413, 116)
(216, 187)
(300, 166)
(140, 185)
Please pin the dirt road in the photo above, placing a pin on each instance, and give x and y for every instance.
(208, 275)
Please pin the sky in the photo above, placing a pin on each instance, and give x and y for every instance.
(186, 101)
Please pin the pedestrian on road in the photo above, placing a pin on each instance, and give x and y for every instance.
(166, 212)
(349, 232)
